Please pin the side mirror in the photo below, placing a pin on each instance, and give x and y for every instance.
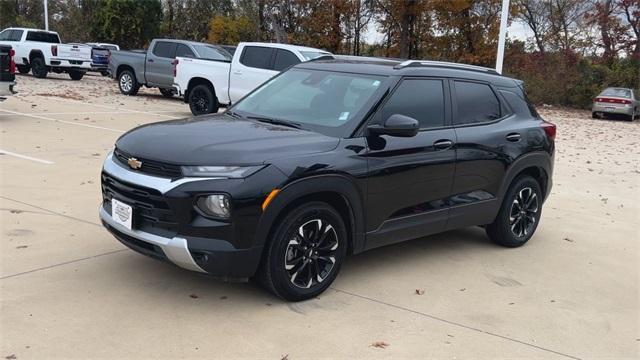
(396, 125)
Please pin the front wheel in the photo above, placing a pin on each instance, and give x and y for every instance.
(23, 69)
(76, 75)
(519, 215)
(305, 253)
(202, 100)
(127, 83)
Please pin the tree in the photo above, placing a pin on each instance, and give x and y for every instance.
(631, 10)
(231, 30)
(129, 23)
(534, 13)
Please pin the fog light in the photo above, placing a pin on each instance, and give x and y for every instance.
(216, 205)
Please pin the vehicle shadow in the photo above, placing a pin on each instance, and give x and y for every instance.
(381, 260)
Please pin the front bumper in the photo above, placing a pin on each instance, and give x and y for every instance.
(610, 109)
(175, 233)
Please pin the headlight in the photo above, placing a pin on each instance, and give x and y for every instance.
(216, 205)
(221, 171)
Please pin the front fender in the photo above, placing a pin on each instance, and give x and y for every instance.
(334, 183)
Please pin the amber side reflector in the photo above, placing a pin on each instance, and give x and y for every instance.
(270, 197)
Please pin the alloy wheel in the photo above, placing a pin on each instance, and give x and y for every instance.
(311, 253)
(200, 101)
(126, 82)
(522, 217)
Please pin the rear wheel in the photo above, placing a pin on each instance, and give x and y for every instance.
(168, 93)
(632, 116)
(594, 115)
(519, 215)
(202, 100)
(104, 73)
(305, 253)
(39, 68)
(76, 74)
(128, 83)
(23, 69)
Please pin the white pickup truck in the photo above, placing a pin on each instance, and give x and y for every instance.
(41, 51)
(221, 80)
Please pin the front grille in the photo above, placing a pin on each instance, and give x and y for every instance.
(150, 167)
(149, 207)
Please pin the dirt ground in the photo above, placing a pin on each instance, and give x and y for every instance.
(69, 290)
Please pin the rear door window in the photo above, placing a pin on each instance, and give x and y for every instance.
(257, 57)
(164, 49)
(421, 99)
(183, 50)
(476, 103)
(284, 59)
(42, 36)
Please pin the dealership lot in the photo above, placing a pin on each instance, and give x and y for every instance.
(70, 290)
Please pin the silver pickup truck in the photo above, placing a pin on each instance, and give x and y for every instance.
(154, 67)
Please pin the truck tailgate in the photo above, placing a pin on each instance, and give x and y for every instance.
(74, 52)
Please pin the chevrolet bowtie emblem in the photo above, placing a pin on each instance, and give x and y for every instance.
(134, 163)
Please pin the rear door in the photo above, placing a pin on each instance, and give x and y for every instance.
(489, 138)
(253, 67)
(410, 179)
(159, 67)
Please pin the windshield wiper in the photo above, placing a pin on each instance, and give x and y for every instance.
(232, 114)
(275, 121)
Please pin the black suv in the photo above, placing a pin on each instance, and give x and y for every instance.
(327, 159)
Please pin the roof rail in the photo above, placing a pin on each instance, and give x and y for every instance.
(444, 64)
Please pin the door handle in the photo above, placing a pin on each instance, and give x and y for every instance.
(236, 72)
(513, 137)
(442, 144)
(149, 60)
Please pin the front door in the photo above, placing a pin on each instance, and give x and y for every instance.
(410, 179)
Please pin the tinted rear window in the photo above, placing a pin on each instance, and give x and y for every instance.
(164, 49)
(284, 59)
(257, 57)
(476, 103)
(421, 99)
(42, 36)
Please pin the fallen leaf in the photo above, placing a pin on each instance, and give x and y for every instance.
(193, 296)
(380, 344)
(11, 357)
(419, 291)
(567, 239)
(286, 357)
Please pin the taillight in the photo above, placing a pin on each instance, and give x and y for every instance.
(12, 63)
(175, 66)
(549, 129)
(54, 50)
(612, 101)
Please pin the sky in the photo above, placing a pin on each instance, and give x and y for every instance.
(517, 31)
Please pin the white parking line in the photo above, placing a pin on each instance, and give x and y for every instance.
(5, 152)
(115, 108)
(63, 121)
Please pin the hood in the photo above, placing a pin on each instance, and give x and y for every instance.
(220, 140)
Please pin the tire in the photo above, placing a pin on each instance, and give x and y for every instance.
(168, 93)
(314, 267)
(515, 225)
(76, 75)
(202, 100)
(632, 116)
(39, 68)
(104, 73)
(23, 69)
(127, 83)
(594, 115)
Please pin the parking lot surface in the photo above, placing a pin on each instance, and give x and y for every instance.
(69, 290)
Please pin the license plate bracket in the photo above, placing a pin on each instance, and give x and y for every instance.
(122, 213)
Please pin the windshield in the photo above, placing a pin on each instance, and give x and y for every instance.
(625, 93)
(320, 100)
(212, 53)
(310, 55)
